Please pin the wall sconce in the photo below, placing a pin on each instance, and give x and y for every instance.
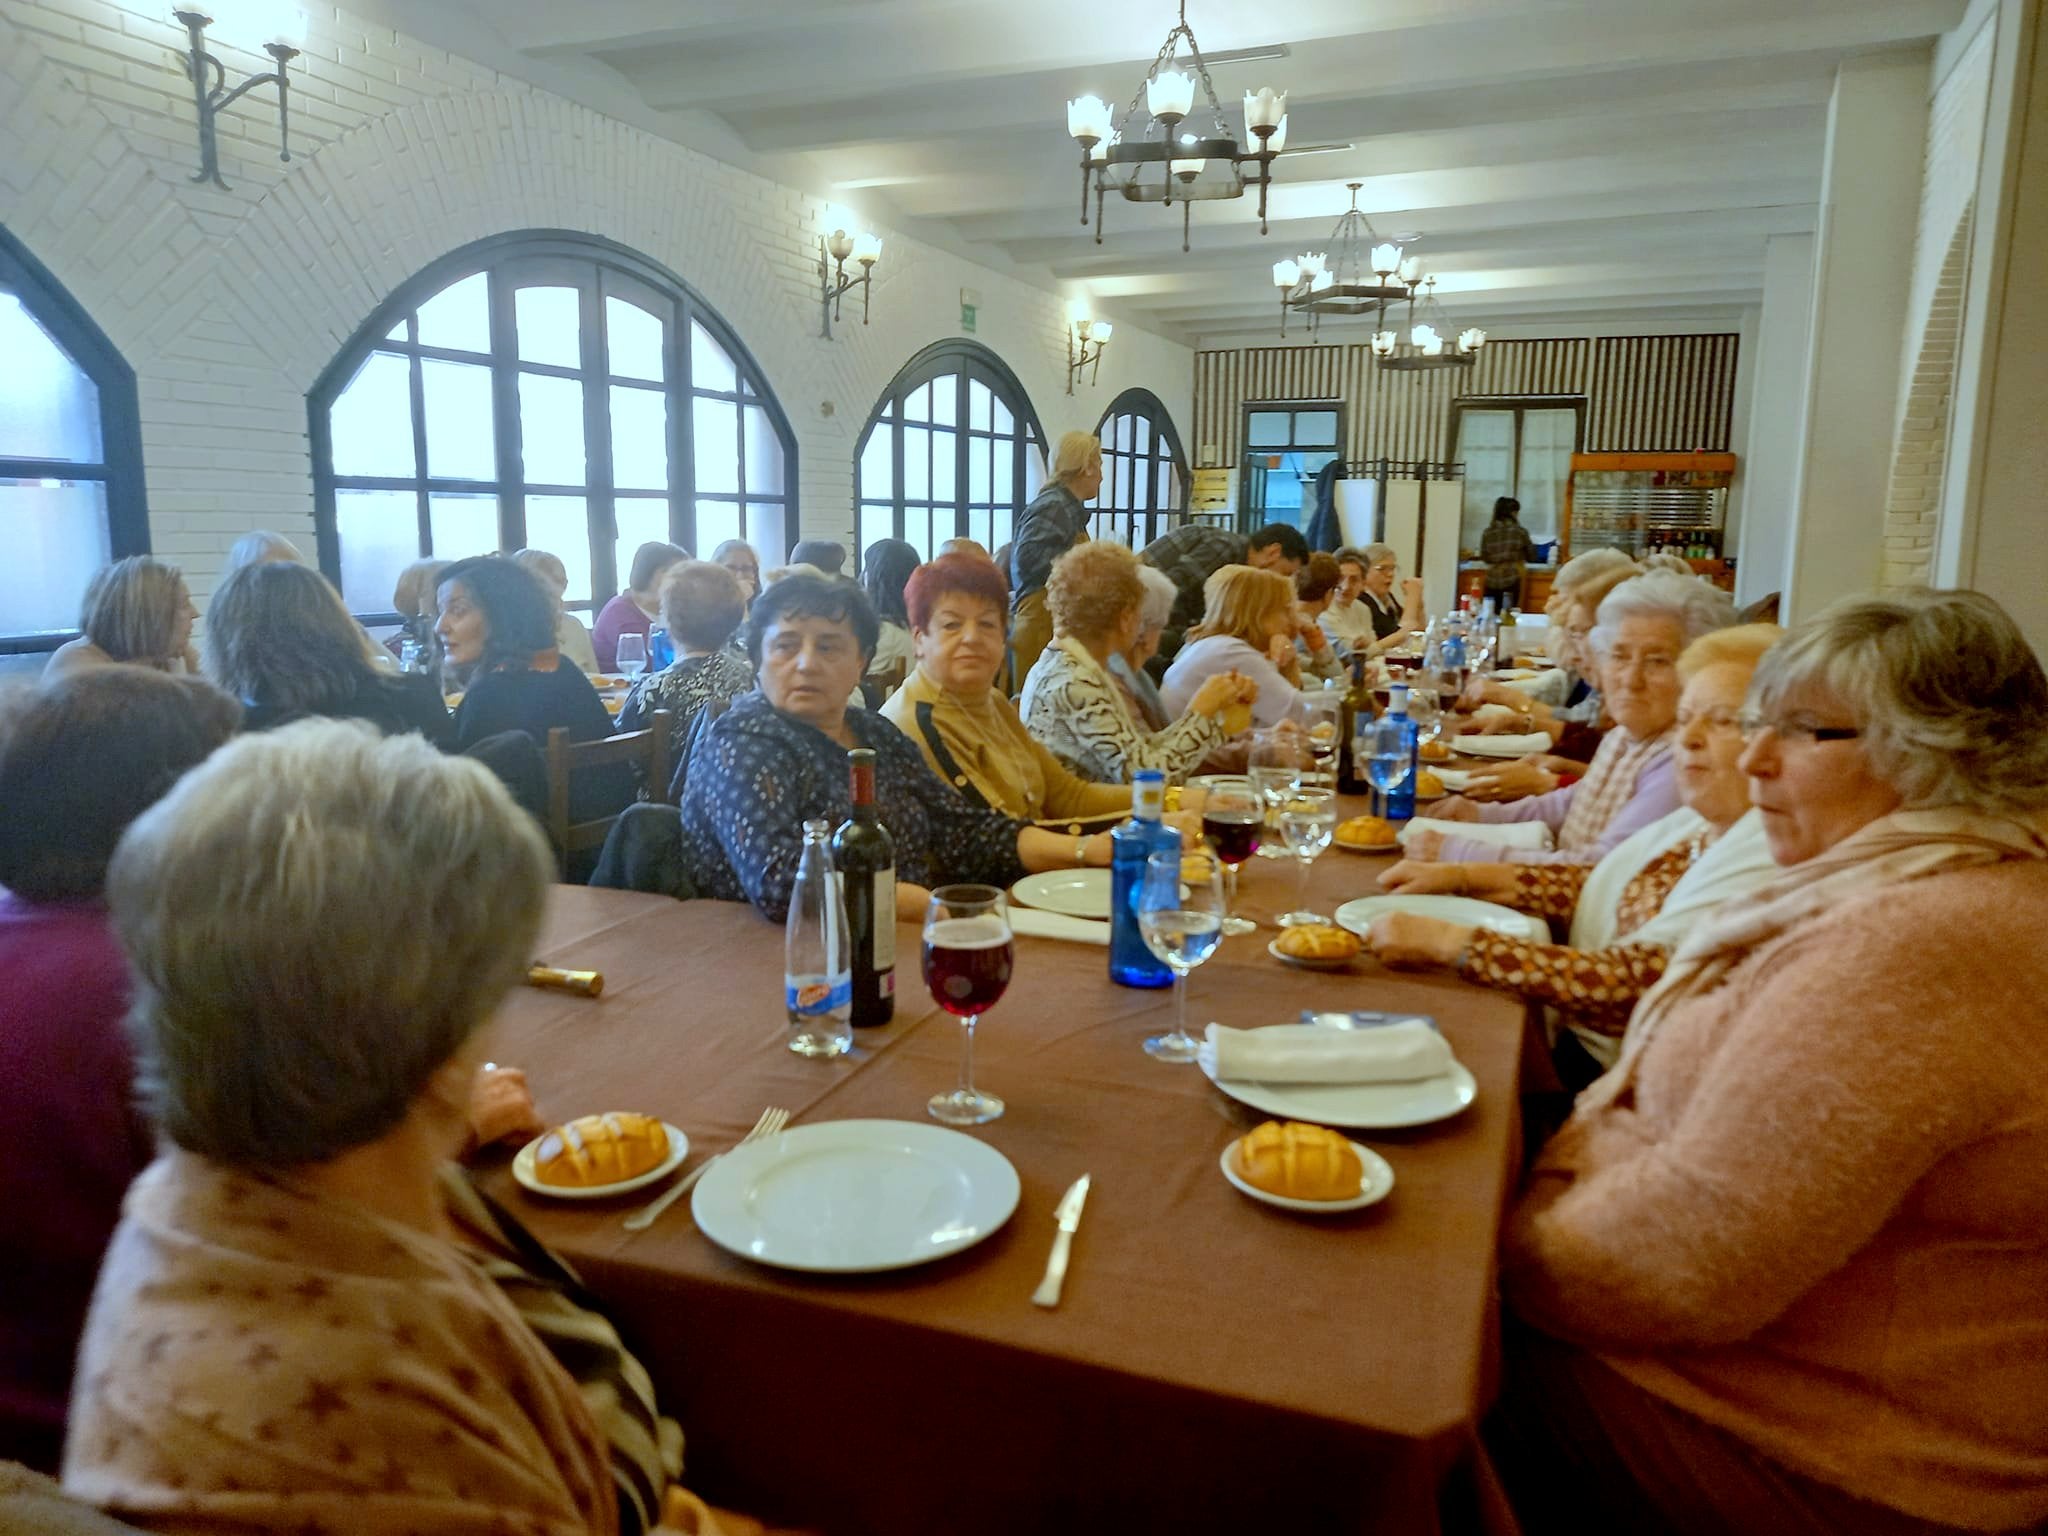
(834, 251)
(1085, 341)
(213, 99)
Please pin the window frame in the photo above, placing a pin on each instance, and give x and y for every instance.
(1163, 448)
(120, 465)
(1293, 410)
(969, 362)
(1518, 406)
(597, 269)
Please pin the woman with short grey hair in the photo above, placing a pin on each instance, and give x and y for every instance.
(1127, 668)
(1836, 1101)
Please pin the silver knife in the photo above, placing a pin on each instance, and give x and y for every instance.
(1069, 1215)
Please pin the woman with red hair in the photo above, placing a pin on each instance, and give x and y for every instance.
(949, 705)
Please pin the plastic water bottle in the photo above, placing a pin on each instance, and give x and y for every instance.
(661, 650)
(1390, 761)
(817, 966)
(1131, 961)
(1454, 656)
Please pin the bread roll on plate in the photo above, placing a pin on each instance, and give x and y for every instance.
(600, 1149)
(1301, 1162)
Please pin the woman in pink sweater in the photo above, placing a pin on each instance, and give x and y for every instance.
(1786, 1267)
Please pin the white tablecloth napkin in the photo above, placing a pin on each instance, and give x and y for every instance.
(1309, 1053)
(1509, 834)
(1502, 746)
(1057, 925)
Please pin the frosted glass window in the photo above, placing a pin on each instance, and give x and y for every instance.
(717, 521)
(634, 338)
(944, 465)
(1269, 429)
(710, 366)
(979, 455)
(371, 423)
(379, 532)
(917, 464)
(978, 398)
(49, 408)
(764, 451)
(946, 401)
(918, 405)
(462, 441)
(56, 538)
(458, 317)
(1004, 422)
(550, 325)
(551, 429)
(639, 438)
(766, 522)
(561, 526)
(878, 462)
(462, 525)
(717, 446)
(641, 520)
(1034, 471)
(1315, 427)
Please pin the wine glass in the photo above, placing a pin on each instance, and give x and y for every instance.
(1278, 757)
(1232, 817)
(632, 655)
(1307, 821)
(968, 956)
(1316, 712)
(1427, 714)
(1180, 913)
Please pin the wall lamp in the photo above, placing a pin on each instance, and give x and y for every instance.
(211, 95)
(835, 249)
(1085, 341)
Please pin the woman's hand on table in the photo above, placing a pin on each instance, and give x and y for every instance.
(1454, 808)
(1187, 823)
(1510, 781)
(501, 1107)
(1404, 939)
(1426, 846)
(1413, 877)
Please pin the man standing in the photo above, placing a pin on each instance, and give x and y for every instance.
(1053, 522)
(1194, 552)
(1507, 549)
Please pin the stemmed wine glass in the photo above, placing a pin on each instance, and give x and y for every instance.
(632, 655)
(1307, 821)
(1180, 913)
(1279, 757)
(1427, 713)
(968, 957)
(1232, 818)
(1316, 713)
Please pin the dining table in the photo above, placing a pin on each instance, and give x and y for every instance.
(1215, 1364)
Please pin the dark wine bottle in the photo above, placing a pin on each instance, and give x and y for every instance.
(1353, 716)
(865, 856)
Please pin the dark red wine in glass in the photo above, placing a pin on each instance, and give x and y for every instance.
(967, 962)
(1233, 834)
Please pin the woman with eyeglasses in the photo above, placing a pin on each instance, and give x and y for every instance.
(1786, 1266)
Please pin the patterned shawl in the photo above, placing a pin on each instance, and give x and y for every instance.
(1610, 783)
(262, 1359)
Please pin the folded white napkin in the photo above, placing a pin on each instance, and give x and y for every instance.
(1456, 780)
(1309, 1053)
(1502, 746)
(1509, 834)
(1485, 714)
(1057, 925)
(1527, 684)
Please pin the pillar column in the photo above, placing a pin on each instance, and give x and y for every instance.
(1777, 419)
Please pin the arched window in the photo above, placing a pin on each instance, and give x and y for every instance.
(953, 450)
(1144, 472)
(550, 390)
(70, 456)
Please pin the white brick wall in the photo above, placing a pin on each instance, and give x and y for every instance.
(229, 304)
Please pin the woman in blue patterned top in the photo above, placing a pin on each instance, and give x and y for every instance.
(777, 758)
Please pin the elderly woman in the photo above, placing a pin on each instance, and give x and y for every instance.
(137, 611)
(1644, 626)
(738, 556)
(969, 732)
(1629, 911)
(260, 546)
(777, 759)
(633, 611)
(572, 638)
(701, 605)
(1131, 667)
(1248, 629)
(1073, 705)
(1366, 611)
(279, 639)
(884, 572)
(1786, 1266)
(305, 1318)
(1051, 523)
(79, 761)
(413, 599)
(1315, 588)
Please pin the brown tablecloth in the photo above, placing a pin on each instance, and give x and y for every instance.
(1216, 1364)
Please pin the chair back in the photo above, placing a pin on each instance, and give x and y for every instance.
(647, 750)
(699, 728)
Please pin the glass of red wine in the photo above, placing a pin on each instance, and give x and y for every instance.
(1233, 816)
(968, 956)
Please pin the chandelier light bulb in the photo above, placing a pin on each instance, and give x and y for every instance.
(1278, 141)
(1322, 280)
(1264, 108)
(1383, 344)
(1471, 339)
(1286, 275)
(1386, 258)
(1410, 270)
(840, 244)
(1088, 119)
(1426, 341)
(1169, 94)
(1187, 170)
(867, 249)
(1312, 263)
(1103, 331)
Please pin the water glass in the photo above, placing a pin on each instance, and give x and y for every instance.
(632, 655)
(968, 957)
(1180, 913)
(1307, 821)
(1279, 757)
(1233, 815)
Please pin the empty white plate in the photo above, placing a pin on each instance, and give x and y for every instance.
(1359, 1106)
(1076, 892)
(1377, 1184)
(522, 1171)
(855, 1196)
(1358, 915)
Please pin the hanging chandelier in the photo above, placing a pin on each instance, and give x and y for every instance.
(1168, 148)
(1356, 275)
(1430, 342)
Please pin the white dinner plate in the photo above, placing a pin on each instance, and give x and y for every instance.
(522, 1170)
(1359, 1106)
(1358, 915)
(1377, 1184)
(855, 1196)
(1076, 892)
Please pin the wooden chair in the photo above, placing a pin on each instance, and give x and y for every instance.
(647, 750)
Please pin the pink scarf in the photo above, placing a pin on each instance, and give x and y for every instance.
(1610, 783)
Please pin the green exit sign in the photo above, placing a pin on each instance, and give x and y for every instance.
(967, 312)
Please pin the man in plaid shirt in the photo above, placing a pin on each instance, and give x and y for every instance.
(1194, 552)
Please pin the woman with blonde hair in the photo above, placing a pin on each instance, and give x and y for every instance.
(572, 639)
(137, 611)
(1248, 627)
(413, 599)
(1072, 704)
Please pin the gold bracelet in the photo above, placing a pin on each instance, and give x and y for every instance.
(1081, 852)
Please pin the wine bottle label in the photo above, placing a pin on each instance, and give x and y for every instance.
(885, 921)
(809, 996)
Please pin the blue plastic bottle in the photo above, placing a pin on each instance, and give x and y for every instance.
(661, 650)
(1391, 743)
(1131, 961)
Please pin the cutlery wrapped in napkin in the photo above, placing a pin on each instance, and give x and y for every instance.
(1057, 925)
(1309, 1053)
(1503, 746)
(1508, 834)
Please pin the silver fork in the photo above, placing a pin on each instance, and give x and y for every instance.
(771, 1123)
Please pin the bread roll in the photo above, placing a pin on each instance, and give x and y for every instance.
(1301, 1162)
(1366, 832)
(1317, 941)
(1427, 785)
(1433, 752)
(600, 1149)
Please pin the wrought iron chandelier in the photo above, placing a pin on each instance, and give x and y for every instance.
(1164, 150)
(1430, 342)
(1356, 275)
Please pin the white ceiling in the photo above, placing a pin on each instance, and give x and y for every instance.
(1566, 162)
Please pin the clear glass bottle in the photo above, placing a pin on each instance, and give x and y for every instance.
(817, 974)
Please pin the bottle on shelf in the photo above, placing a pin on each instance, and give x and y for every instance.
(1353, 715)
(866, 858)
(1131, 961)
(1391, 763)
(816, 981)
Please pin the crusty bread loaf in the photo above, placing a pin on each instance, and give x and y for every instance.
(1301, 1162)
(1366, 832)
(600, 1149)
(1427, 785)
(1317, 941)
